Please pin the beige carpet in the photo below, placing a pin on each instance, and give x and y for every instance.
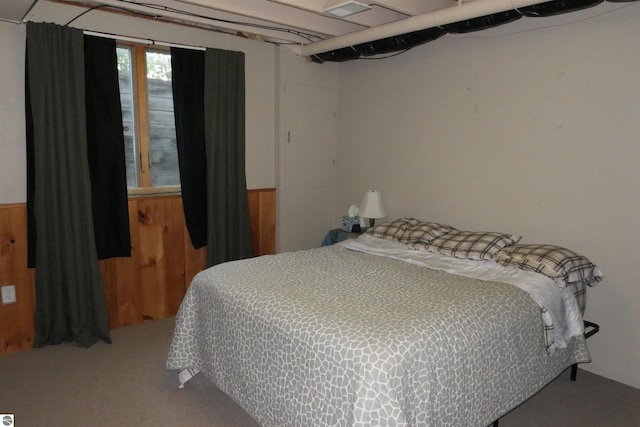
(125, 384)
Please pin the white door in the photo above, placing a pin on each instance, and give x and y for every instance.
(308, 145)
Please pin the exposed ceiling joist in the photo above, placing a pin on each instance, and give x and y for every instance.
(307, 26)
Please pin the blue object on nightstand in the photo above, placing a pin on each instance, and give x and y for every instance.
(338, 235)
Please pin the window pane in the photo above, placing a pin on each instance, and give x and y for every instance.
(125, 73)
(162, 133)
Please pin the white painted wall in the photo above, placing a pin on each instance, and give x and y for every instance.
(13, 157)
(533, 132)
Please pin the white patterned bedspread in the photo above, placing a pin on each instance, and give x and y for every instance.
(561, 314)
(335, 337)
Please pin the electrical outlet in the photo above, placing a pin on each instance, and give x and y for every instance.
(8, 294)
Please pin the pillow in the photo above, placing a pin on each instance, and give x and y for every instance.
(427, 231)
(393, 230)
(561, 264)
(476, 245)
(406, 230)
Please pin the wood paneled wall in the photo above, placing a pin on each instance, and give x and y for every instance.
(148, 285)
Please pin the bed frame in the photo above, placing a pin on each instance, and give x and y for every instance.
(590, 329)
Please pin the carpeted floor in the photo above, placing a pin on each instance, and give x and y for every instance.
(126, 384)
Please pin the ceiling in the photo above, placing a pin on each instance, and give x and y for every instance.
(295, 22)
(282, 21)
(15, 10)
(305, 25)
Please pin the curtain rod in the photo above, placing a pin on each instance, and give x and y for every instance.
(140, 40)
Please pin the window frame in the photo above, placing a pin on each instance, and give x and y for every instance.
(140, 100)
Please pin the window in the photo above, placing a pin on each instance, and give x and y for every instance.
(147, 117)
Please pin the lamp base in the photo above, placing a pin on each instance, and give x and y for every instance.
(372, 221)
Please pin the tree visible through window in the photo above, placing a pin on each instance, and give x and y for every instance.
(147, 116)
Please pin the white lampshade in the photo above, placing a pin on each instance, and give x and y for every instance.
(372, 207)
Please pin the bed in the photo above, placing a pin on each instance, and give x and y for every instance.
(395, 328)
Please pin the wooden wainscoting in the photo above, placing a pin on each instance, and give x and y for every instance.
(16, 320)
(148, 285)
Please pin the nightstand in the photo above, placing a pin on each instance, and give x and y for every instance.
(338, 235)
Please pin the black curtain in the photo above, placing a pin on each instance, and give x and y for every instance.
(106, 155)
(105, 149)
(209, 106)
(187, 76)
(62, 115)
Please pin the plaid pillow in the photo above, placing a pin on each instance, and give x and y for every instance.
(393, 230)
(427, 231)
(407, 230)
(477, 245)
(561, 264)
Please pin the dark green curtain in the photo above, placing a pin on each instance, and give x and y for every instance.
(105, 149)
(228, 235)
(70, 300)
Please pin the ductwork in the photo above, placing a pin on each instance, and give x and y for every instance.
(557, 7)
(483, 22)
(399, 42)
(376, 47)
(465, 17)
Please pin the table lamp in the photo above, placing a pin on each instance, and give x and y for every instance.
(372, 207)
